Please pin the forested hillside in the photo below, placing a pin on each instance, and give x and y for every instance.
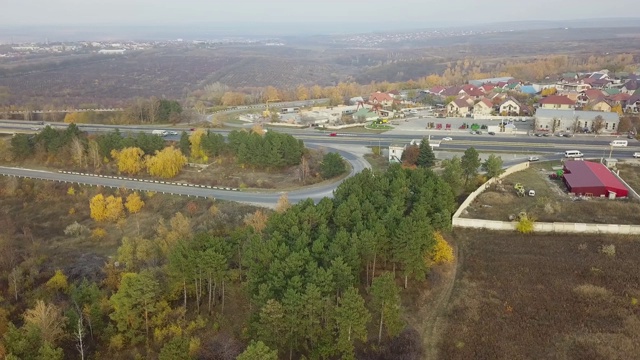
(322, 280)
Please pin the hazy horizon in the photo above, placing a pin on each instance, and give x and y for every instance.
(72, 20)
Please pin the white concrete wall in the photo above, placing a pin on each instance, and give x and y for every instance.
(555, 227)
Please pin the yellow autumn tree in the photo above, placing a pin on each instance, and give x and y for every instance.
(442, 252)
(134, 203)
(106, 209)
(97, 205)
(58, 282)
(166, 163)
(283, 203)
(302, 93)
(48, 319)
(71, 118)
(617, 109)
(195, 139)
(257, 220)
(129, 160)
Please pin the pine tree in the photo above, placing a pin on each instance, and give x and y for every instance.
(470, 163)
(426, 158)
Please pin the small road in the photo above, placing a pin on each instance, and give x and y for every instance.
(265, 199)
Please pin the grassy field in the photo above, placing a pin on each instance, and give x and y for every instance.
(551, 202)
(630, 172)
(543, 297)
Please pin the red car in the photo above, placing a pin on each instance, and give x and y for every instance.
(333, 134)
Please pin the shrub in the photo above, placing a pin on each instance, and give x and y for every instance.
(75, 229)
(98, 233)
(609, 250)
(442, 252)
(525, 224)
(591, 291)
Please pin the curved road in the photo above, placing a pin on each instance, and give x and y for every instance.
(267, 199)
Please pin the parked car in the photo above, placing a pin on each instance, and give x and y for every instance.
(568, 135)
(35, 128)
(333, 134)
(538, 134)
(447, 138)
(636, 155)
(533, 158)
(546, 134)
(491, 133)
(478, 132)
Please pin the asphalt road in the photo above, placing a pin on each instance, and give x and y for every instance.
(267, 199)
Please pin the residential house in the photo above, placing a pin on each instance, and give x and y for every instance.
(557, 102)
(395, 152)
(472, 91)
(619, 99)
(510, 107)
(630, 86)
(574, 120)
(601, 83)
(575, 87)
(451, 91)
(599, 105)
(633, 104)
(483, 107)
(572, 95)
(436, 90)
(589, 95)
(458, 107)
(486, 88)
(529, 89)
(381, 98)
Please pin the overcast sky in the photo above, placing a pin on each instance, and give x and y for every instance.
(180, 12)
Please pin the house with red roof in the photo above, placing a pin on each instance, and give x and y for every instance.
(619, 99)
(589, 95)
(472, 91)
(483, 107)
(487, 88)
(557, 102)
(510, 107)
(384, 99)
(458, 107)
(436, 90)
(451, 91)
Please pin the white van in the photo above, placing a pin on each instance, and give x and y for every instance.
(573, 154)
(619, 143)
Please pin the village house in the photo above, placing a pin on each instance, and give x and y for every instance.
(381, 98)
(598, 105)
(557, 102)
(484, 107)
(458, 107)
(510, 107)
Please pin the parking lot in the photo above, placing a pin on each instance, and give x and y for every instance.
(415, 123)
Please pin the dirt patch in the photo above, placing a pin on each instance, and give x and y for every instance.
(630, 172)
(551, 202)
(544, 297)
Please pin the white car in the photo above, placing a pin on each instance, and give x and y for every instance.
(636, 155)
(447, 138)
(173, 133)
(533, 158)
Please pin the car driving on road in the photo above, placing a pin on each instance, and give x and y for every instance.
(333, 134)
(447, 138)
(533, 158)
(636, 155)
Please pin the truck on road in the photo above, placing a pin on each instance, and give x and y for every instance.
(160, 132)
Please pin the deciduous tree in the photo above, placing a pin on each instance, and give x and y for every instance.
(58, 282)
(129, 160)
(258, 351)
(195, 139)
(166, 163)
(48, 318)
(410, 155)
(283, 203)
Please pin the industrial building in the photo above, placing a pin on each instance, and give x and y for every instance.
(592, 179)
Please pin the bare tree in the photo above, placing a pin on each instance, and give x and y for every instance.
(598, 124)
(153, 106)
(94, 155)
(576, 124)
(78, 153)
(79, 334)
(555, 124)
(15, 278)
